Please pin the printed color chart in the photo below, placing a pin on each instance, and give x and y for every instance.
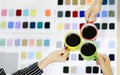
(31, 29)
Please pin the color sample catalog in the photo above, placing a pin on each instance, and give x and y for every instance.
(31, 29)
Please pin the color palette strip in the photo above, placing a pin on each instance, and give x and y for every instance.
(76, 26)
(81, 14)
(30, 55)
(24, 25)
(25, 42)
(83, 2)
(25, 12)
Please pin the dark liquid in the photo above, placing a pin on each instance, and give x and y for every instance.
(88, 49)
(89, 32)
(73, 39)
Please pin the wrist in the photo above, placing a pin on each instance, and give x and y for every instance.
(98, 2)
(44, 63)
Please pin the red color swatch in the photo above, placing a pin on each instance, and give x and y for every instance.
(18, 12)
(75, 13)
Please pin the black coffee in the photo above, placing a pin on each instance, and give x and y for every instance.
(89, 32)
(88, 49)
(73, 39)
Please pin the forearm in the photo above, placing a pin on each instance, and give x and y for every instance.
(44, 63)
(30, 70)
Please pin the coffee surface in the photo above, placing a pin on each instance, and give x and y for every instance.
(73, 39)
(89, 32)
(88, 49)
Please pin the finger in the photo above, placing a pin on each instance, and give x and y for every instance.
(87, 14)
(106, 58)
(92, 18)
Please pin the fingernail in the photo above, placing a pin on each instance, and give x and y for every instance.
(62, 54)
(66, 48)
(67, 58)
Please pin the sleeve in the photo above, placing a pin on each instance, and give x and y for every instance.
(30, 70)
(2, 72)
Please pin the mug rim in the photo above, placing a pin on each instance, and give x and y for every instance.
(74, 32)
(89, 24)
(91, 43)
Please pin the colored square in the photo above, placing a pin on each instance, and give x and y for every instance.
(111, 13)
(60, 14)
(82, 13)
(97, 25)
(112, 57)
(25, 24)
(111, 44)
(75, 2)
(58, 44)
(73, 57)
(18, 12)
(39, 42)
(24, 42)
(65, 69)
(88, 69)
(23, 55)
(3, 25)
(31, 55)
(47, 12)
(2, 42)
(10, 24)
(95, 69)
(80, 57)
(18, 25)
(11, 12)
(31, 42)
(60, 26)
(112, 26)
(67, 2)
(98, 15)
(82, 2)
(67, 26)
(97, 43)
(104, 2)
(17, 42)
(47, 25)
(67, 13)
(9, 42)
(33, 12)
(32, 25)
(40, 25)
(4, 12)
(104, 26)
(46, 42)
(75, 14)
(73, 70)
(60, 2)
(25, 12)
(74, 26)
(112, 2)
(9, 62)
(38, 55)
(104, 14)
(89, 1)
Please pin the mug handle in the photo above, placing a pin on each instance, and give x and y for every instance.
(95, 57)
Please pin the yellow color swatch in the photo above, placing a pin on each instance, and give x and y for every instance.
(23, 55)
(38, 55)
(33, 12)
(3, 24)
(60, 26)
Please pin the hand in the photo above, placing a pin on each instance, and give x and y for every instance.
(104, 63)
(92, 12)
(56, 56)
